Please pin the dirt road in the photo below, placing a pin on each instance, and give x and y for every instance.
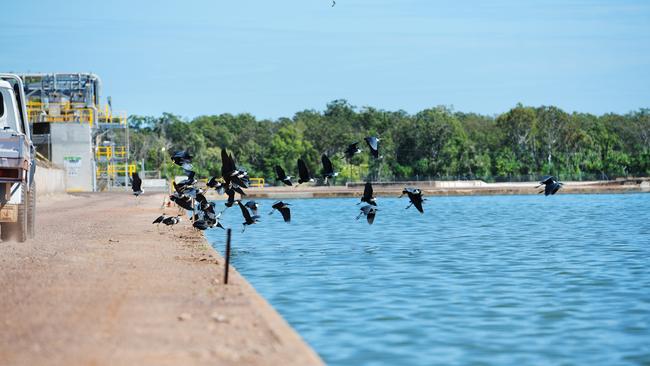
(101, 286)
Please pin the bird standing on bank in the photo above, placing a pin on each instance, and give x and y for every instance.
(171, 221)
(136, 184)
(158, 220)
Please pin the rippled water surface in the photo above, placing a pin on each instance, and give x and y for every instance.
(502, 280)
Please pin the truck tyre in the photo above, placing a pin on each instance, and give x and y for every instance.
(18, 230)
(31, 211)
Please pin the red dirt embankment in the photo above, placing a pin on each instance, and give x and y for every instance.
(99, 285)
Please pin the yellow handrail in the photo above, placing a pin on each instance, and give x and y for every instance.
(59, 112)
(257, 182)
(109, 152)
(72, 112)
(113, 169)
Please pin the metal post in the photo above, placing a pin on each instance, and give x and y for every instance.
(225, 274)
(127, 147)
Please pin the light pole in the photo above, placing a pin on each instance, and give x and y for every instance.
(163, 163)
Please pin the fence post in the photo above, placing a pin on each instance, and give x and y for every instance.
(225, 273)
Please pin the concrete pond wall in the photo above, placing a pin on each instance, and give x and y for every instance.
(49, 180)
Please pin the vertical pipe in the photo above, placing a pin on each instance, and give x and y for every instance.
(126, 161)
(226, 267)
(94, 168)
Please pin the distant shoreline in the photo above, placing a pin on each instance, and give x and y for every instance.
(443, 188)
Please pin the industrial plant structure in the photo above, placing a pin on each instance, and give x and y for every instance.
(74, 130)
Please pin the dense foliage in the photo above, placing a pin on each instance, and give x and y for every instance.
(437, 143)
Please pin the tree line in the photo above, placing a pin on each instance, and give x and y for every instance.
(523, 143)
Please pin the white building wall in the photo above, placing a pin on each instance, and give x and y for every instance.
(72, 150)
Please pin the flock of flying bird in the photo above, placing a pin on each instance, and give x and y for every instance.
(188, 196)
(235, 179)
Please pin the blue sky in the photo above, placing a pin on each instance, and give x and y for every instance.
(273, 58)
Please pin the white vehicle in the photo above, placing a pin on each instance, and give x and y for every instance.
(17, 165)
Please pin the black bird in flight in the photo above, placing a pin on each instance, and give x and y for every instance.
(193, 192)
(551, 185)
(211, 218)
(227, 166)
(214, 183)
(136, 184)
(303, 173)
(369, 211)
(231, 197)
(217, 224)
(282, 176)
(200, 198)
(230, 172)
(200, 224)
(328, 169)
(415, 196)
(333, 3)
(248, 219)
(181, 157)
(368, 195)
(184, 160)
(198, 215)
(178, 188)
(182, 201)
(208, 217)
(213, 221)
(237, 189)
(284, 210)
(253, 206)
(181, 186)
(373, 144)
(351, 150)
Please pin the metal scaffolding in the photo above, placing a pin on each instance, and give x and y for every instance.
(74, 98)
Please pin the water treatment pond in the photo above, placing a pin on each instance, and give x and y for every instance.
(504, 280)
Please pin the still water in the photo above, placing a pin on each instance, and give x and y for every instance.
(491, 280)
